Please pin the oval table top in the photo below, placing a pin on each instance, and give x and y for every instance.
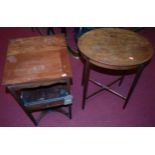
(115, 48)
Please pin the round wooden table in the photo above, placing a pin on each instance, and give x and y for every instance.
(116, 49)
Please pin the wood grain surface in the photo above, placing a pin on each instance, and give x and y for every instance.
(36, 59)
(36, 44)
(115, 48)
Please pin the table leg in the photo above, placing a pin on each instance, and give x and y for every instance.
(16, 96)
(83, 74)
(32, 118)
(37, 29)
(70, 111)
(137, 76)
(121, 80)
(85, 81)
(50, 30)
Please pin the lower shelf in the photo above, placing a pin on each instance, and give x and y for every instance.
(46, 97)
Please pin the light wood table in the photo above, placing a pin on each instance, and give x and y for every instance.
(113, 49)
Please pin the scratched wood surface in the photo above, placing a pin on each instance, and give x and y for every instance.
(36, 44)
(115, 48)
(36, 59)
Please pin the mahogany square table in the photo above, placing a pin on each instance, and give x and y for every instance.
(38, 74)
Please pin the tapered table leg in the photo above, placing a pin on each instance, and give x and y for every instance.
(134, 83)
(85, 82)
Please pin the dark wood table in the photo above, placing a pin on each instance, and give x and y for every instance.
(113, 49)
(36, 69)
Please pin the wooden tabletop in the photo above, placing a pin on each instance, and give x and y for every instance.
(115, 48)
(36, 59)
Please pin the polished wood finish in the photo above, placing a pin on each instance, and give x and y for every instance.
(115, 48)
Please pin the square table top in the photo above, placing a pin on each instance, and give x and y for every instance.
(36, 59)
